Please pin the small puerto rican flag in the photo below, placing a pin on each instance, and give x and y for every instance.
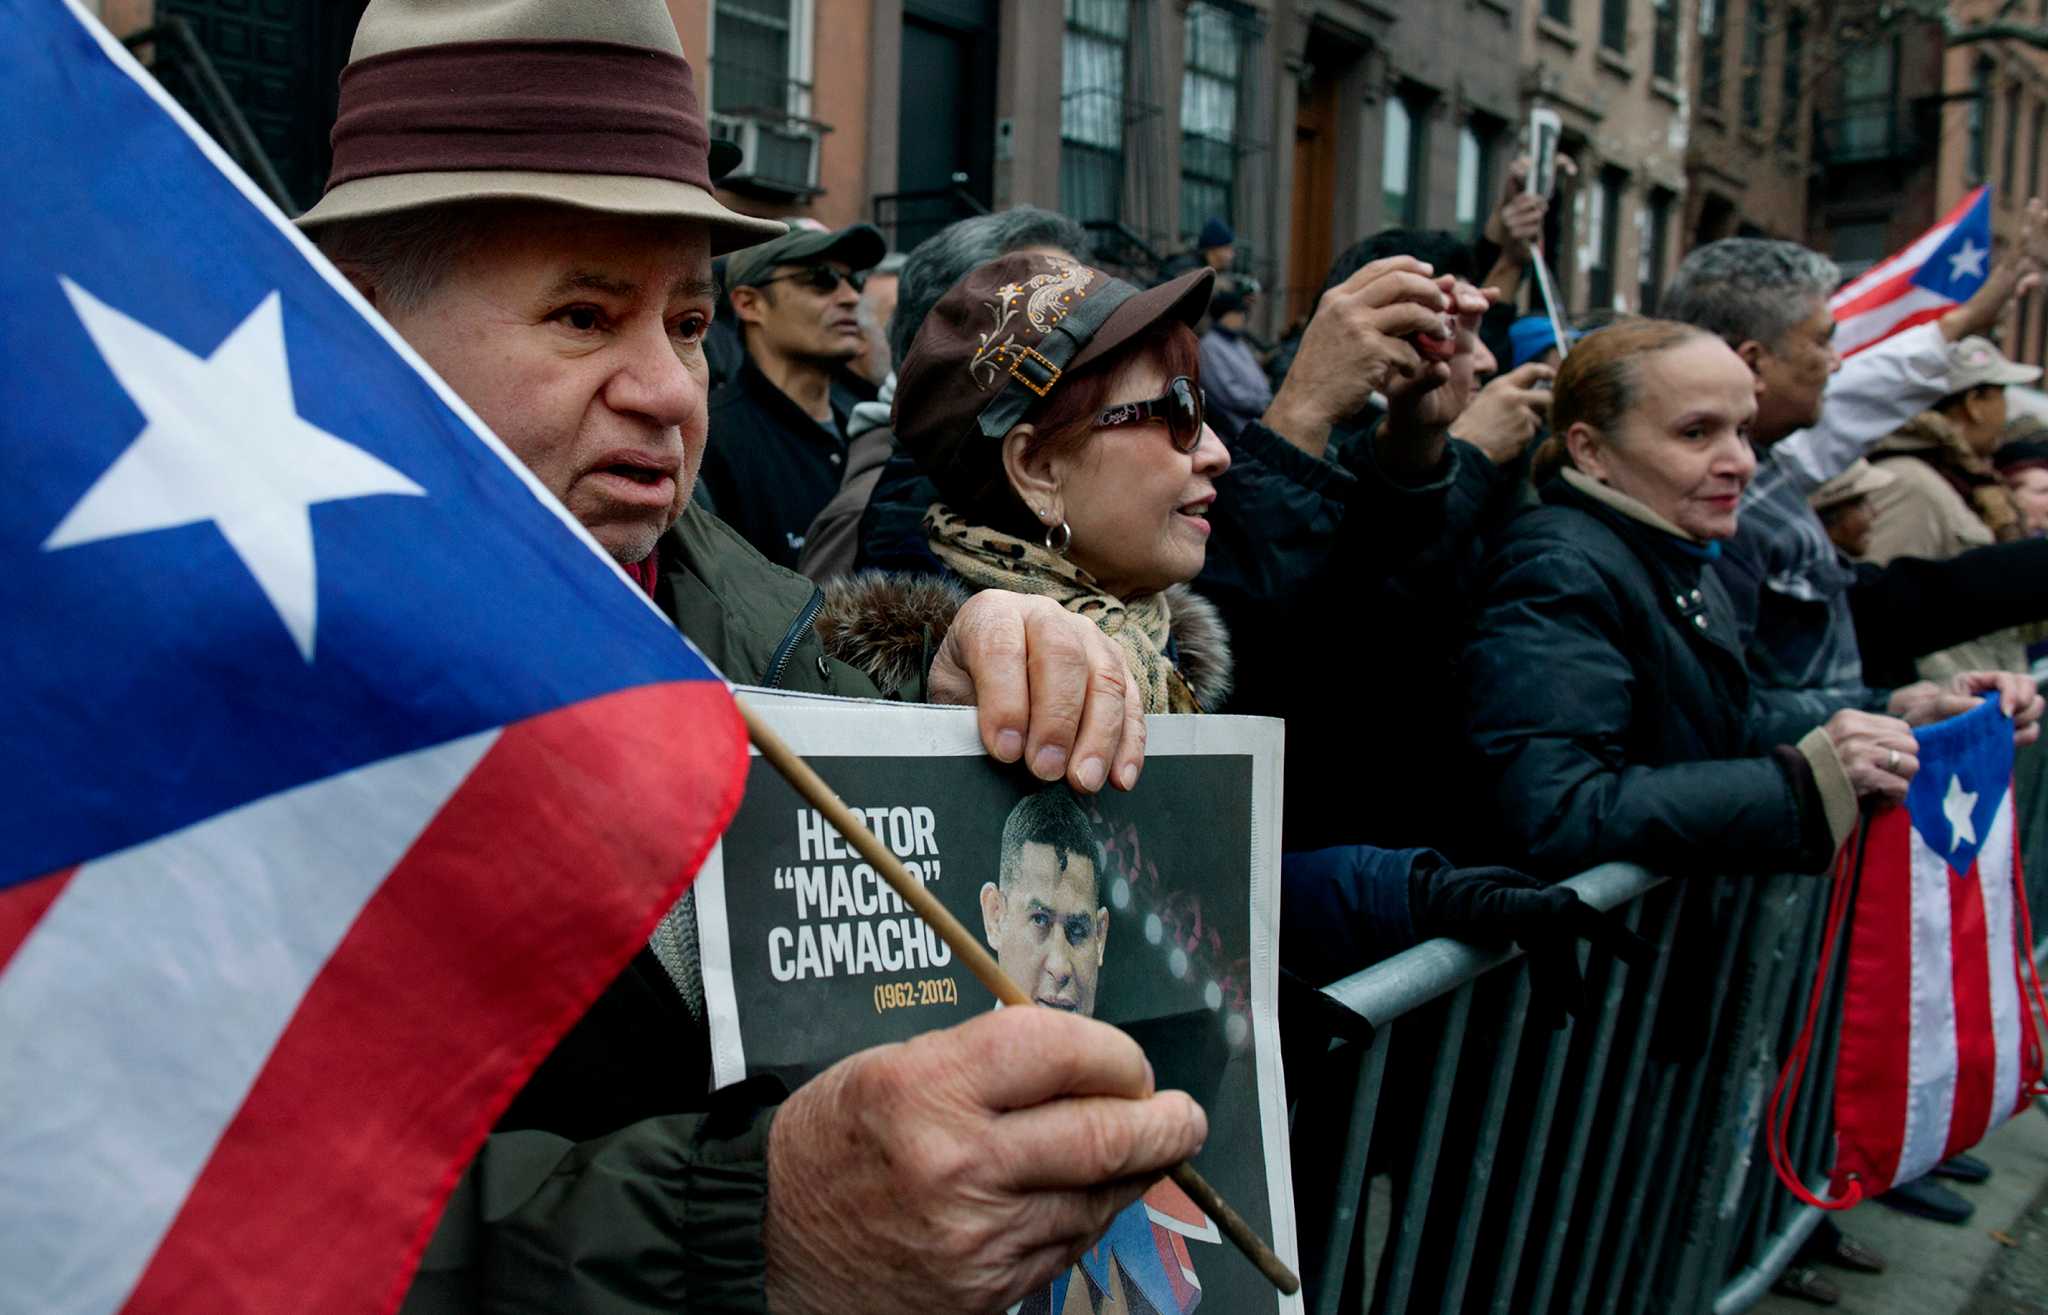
(1940, 1041)
(1941, 269)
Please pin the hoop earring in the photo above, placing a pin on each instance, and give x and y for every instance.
(1058, 537)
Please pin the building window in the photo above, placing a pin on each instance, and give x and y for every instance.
(1603, 229)
(1614, 25)
(1664, 43)
(1754, 30)
(1863, 130)
(1653, 246)
(2011, 124)
(1476, 139)
(1095, 54)
(1980, 112)
(760, 58)
(1859, 245)
(1558, 11)
(760, 92)
(1791, 85)
(1218, 42)
(1401, 162)
(1713, 49)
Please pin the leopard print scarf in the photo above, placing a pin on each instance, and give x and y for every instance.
(990, 559)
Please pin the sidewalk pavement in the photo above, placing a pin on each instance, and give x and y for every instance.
(1939, 1269)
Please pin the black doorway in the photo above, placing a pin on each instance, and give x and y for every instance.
(945, 144)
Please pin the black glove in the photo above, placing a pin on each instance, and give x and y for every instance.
(1493, 907)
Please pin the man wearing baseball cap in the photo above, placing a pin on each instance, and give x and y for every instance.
(781, 420)
(521, 187)
(1945, 497)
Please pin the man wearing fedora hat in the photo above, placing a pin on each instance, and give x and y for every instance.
(521, 188)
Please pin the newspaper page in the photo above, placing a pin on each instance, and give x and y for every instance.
(1156, 910)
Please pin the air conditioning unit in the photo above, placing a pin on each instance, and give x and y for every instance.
(775, 156)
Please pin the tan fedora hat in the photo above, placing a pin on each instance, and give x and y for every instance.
(586, 103)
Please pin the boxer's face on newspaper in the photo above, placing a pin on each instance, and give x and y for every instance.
(1047, 926)
(579, 339)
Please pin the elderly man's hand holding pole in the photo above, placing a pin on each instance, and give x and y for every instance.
(963, 1170)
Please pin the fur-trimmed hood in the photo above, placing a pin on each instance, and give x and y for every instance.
(888, 626)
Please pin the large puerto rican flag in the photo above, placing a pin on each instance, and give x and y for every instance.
(1939, 1043)
(341, 771)
(1941, 269)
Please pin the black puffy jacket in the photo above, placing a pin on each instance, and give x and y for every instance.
(1606, 699)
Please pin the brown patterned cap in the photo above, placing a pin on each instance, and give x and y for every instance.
(999, 343)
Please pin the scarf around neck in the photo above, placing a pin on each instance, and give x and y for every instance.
(1140, 627)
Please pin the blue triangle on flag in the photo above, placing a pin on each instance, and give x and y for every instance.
(1965, 771)
(1959, 266)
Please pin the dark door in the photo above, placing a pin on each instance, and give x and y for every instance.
(945, 145)
(279, 60)
(1314, 203)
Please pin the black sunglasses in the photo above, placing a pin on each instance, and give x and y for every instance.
(820, 278)
(1180, 406)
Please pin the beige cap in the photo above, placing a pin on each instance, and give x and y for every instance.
(1974, 362)
(1857, 481)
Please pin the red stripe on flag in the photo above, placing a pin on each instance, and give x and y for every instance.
(1976, 1056)
(1906, 322)
(22, 906)
(1873, 1062)
(519, 904)
(1877, 295)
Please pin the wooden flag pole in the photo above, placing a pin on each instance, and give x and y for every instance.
(983, 965)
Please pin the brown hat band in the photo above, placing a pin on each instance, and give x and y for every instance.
(584, 107)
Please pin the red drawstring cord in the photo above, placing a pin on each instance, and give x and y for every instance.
(1785, 1094)
(2035, 1009)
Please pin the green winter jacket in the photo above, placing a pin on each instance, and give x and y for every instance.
(615, 1185)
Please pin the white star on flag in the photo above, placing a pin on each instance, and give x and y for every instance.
(1967, 260)
(1956, 806)
(222, 442)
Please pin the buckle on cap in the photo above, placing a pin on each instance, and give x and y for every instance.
(1020, 357)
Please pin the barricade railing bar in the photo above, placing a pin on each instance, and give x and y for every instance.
(1616, 1166)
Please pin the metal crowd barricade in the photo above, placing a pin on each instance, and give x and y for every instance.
(1465, 1162)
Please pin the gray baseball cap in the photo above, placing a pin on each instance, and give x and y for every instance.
(857, 246)
(1975, 363)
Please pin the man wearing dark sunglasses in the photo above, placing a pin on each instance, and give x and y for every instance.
(781, 419)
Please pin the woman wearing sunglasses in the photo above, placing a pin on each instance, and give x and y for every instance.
(1059, 412)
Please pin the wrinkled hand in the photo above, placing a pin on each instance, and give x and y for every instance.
(1421, 408)
(1356, 345)
(963, 1170)
(1508, 413)
(1925, 702)
(1047, 686)
(1866, 744)
(1494, 906)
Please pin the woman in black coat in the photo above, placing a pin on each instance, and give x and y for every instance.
(1607, 695)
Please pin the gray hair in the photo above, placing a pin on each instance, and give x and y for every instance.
(944, 258)
(1749, 289)
(404, 256)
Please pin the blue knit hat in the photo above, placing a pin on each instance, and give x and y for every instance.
(1215, 233)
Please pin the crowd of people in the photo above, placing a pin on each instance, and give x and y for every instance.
(1679, 596)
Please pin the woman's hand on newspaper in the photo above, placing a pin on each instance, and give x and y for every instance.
(964, 1169)
(1049, 687)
